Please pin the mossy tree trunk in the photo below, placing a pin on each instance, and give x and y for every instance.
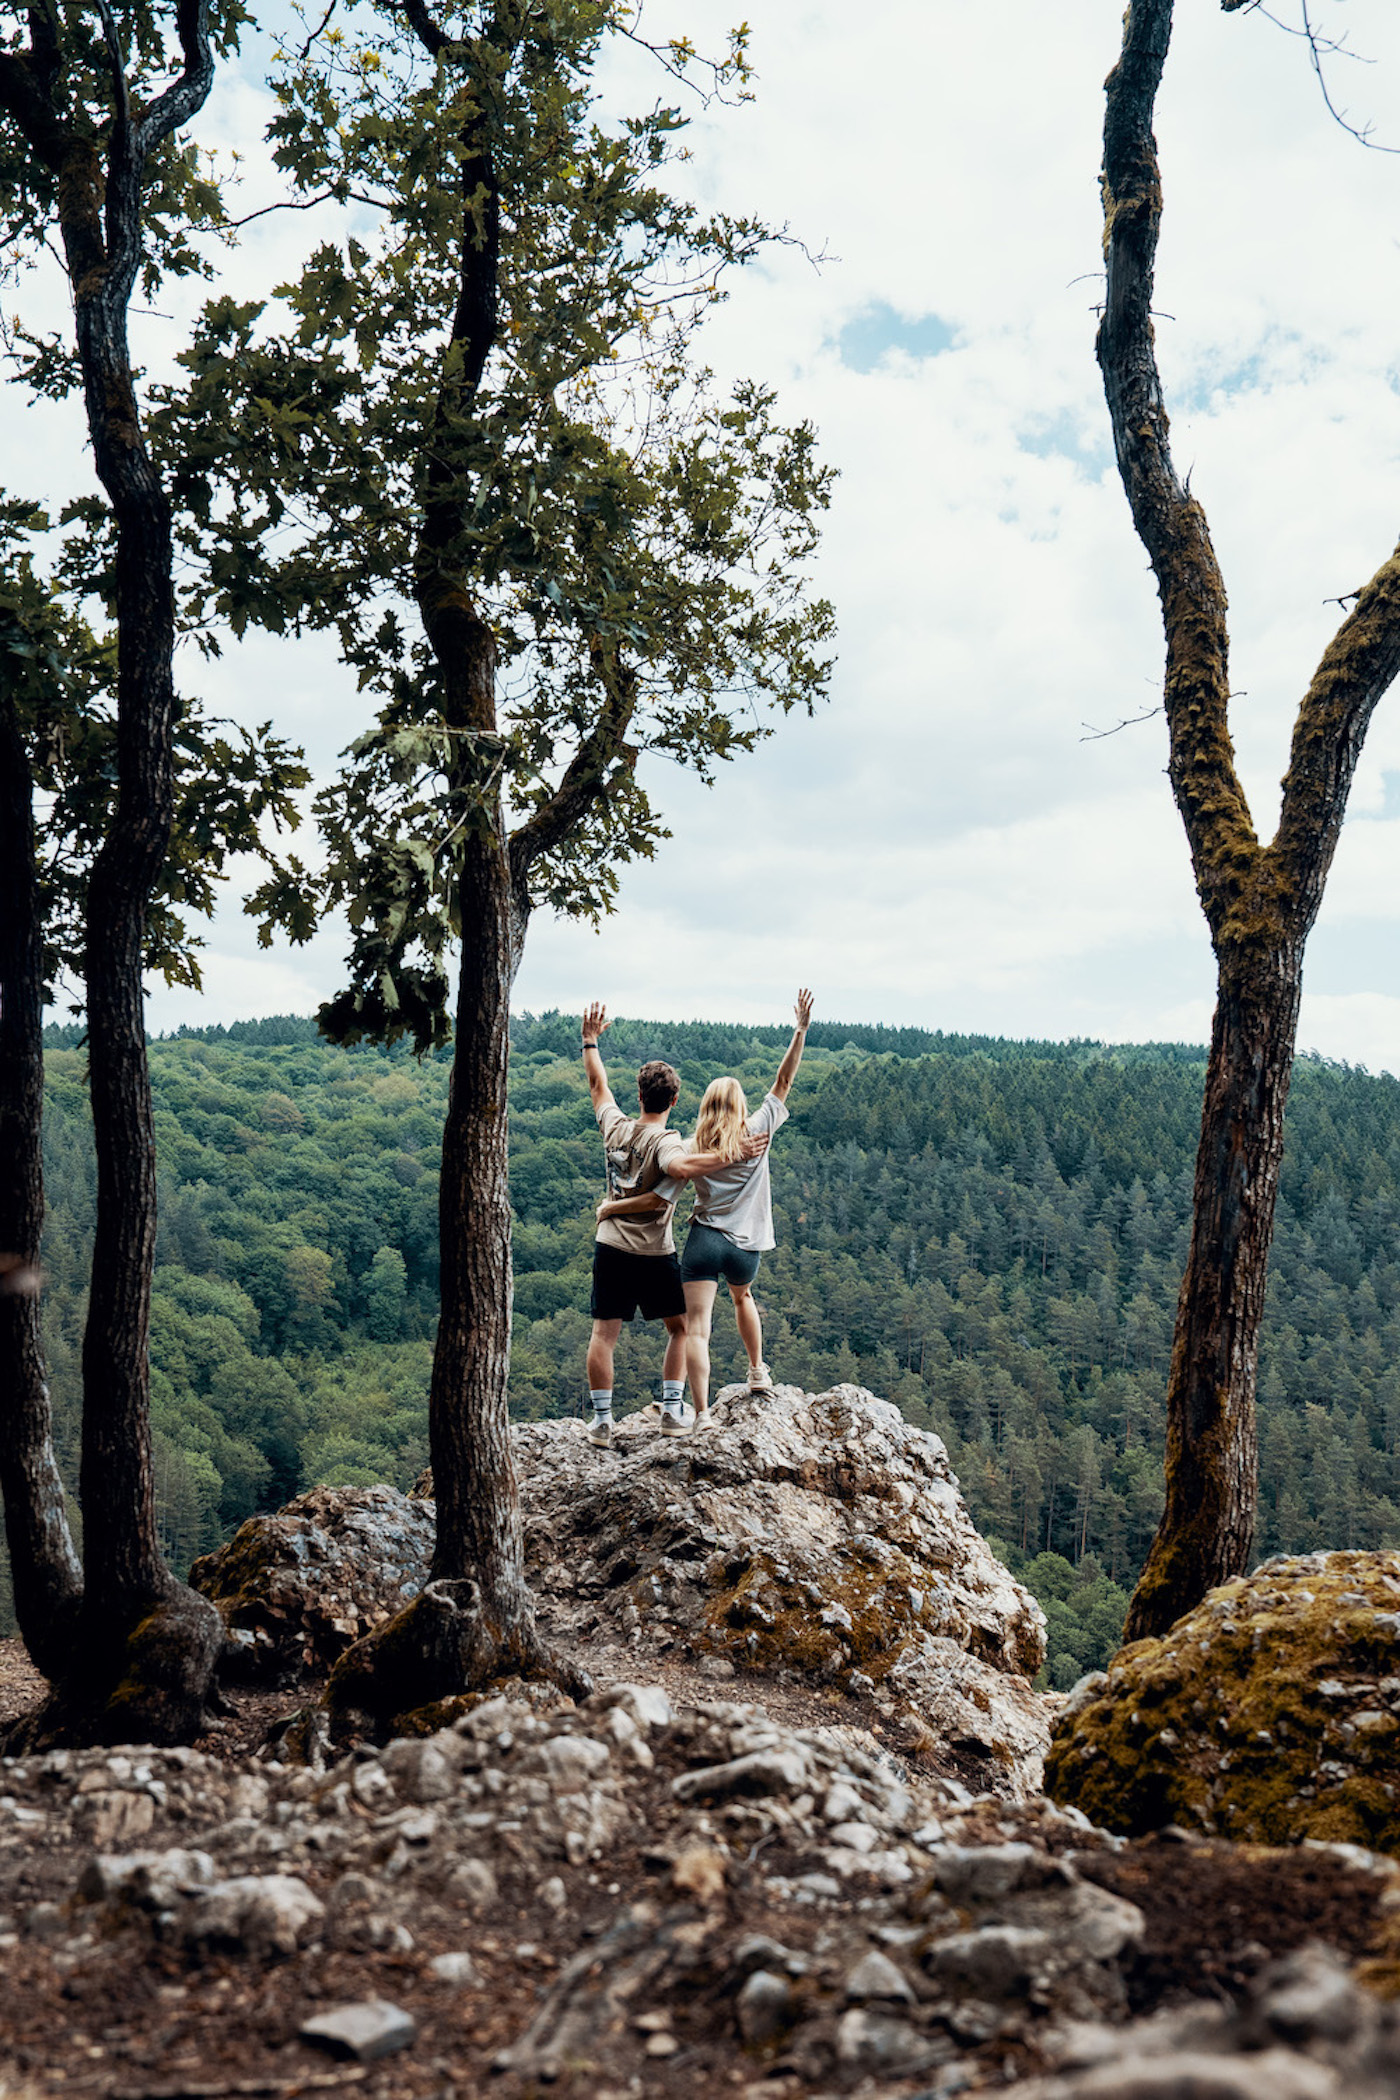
(45, 1569)
(1260, 901)
(140, 1663)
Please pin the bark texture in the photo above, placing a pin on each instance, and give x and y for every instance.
(1260, 901)
(145, 1645)
(44, 1567)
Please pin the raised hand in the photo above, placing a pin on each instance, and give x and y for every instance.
(803, 1008)
(595, 1020)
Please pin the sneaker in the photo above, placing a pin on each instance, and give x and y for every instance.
(679, 1424)
(601, 1431)
(760, 1378)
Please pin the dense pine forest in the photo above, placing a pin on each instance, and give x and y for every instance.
(988, 1233)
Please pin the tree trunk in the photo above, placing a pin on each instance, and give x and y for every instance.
(121, 1550)
(47, 1578)
(1207, 1526)
(478, 1501)
(146, 1645)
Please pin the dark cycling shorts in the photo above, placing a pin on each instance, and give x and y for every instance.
(710, 1255)
(624, 1284)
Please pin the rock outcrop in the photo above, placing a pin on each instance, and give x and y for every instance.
(1269, 1714)
(817, 1535)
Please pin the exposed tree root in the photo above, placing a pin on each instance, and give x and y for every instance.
(155, 1687)
(443, 1644)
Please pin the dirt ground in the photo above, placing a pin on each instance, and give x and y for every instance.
(132, 2020)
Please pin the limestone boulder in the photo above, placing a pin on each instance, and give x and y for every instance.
(296, 1588)
(814, 1534)
(818, 1534)
(1269, 1714)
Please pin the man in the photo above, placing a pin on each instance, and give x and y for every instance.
(634, 1260)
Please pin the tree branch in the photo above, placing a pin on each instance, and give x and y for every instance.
(1169, 521)
(586, 775)
(1359, 664)
(185, 96)
(433, 39)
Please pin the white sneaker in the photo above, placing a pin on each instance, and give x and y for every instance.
(600, 1432)
(678, 1424)
(760, 1378)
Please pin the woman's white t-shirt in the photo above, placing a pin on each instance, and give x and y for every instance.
(738, 1200)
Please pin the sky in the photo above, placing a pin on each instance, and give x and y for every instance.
(952, 842)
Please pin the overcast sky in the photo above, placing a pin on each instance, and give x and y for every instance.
(942, 845)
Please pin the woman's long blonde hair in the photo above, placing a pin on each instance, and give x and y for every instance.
(723, 1119)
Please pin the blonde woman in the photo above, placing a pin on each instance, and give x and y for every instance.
(732, 1224)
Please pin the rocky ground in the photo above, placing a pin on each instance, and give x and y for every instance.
(729, 1870)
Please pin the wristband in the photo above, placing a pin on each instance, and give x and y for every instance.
(589, 1046)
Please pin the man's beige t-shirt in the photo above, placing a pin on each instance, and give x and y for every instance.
(638, 1156)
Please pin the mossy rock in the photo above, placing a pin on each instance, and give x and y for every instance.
(1269, 1714)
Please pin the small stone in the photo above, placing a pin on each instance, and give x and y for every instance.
(875, 1976)
(1308, 1995)
(764, 2006)
(473, 1884)
(1001, 1961)
(573, 1761)
(44, 1921)
(454, 1968)
(822, 1888)
(646, 1703)
(553, 1894)
(716, 1666)
(365, 2031)
(761, 1772)
(856, 1837)
(660, 2045)
(153, 1880)
(699, 1871)
(873, 2041)
(260, 1913)
(757, 1951)
(420, 1769)
(112, 1817)
(981, 1873)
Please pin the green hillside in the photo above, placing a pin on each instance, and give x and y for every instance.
(988, 1233)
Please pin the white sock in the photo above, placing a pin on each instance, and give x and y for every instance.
(602, 1404)
(672, 1395)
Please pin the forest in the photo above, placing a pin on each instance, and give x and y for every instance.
(988, 1233)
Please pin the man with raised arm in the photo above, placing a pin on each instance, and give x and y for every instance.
(634, 1261)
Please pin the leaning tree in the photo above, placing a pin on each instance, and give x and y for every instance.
(1260, 900)
(92, 168)
(483, 452)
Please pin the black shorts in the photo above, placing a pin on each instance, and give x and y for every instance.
(624, 1284)
(710, 1255)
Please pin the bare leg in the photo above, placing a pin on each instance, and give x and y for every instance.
(673, 1364)
(699, 1310)
(746, 1318)
(600, 1355)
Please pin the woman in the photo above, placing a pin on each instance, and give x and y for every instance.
(732, 1224)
